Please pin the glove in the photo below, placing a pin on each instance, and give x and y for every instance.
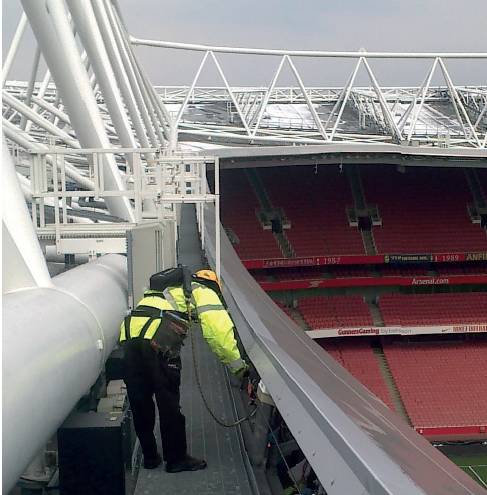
(242, 372)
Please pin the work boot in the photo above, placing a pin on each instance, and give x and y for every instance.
(187, 464)
(152, 462)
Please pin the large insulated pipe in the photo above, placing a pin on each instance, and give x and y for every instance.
(55, 343)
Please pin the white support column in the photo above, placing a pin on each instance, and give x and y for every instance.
(26, 141)
(22, 259)
(346, 96)
(40, 94)
(87, 27)
(52, 109)
(32, 81)
(142, 81)
(14, 46)
(383, 103)
(37, 119)
(230, 92)
(159, 107)
(267, 96)
(457, 103)
(312, 110)
(52, 364)
(141, 105)
(119, 71)
(183, 106)
(416, 111)
(49, 21)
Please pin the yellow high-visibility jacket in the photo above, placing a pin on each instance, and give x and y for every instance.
(217, 326)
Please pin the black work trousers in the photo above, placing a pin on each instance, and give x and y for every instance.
(148, 374)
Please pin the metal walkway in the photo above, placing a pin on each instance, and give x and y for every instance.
(226, 472)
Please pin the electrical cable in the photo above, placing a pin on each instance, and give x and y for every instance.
(218, 420)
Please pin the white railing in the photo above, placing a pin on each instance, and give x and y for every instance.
(155, 183)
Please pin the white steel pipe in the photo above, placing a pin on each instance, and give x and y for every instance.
(86, 24)
(49, 21)
(14, 46)
(52, 109)
(119, 70)
(32, 81)
(37, 119)
(130, 71)
(300, 53)
(144, 85)
(40, 94)
(55, 343)
(25, 141)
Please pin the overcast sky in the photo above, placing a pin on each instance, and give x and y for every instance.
(382, 25)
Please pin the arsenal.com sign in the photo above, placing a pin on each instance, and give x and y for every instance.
(396, 330)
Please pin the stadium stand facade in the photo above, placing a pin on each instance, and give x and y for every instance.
(425, 210)
(315, 203)
(239, 214)
(436, 385)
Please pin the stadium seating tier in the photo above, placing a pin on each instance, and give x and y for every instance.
(441, 384)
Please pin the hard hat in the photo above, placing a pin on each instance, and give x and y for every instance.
(208, 275)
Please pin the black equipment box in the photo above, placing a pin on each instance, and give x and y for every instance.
(95, 452)
(114, 365)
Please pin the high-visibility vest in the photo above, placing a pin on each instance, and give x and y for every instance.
(145, 320)
(216, 323)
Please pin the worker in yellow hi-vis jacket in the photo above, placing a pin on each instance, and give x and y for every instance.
(152, 336)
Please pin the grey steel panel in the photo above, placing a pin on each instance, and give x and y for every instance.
(353, 441)
(362, 148)
(143, 239)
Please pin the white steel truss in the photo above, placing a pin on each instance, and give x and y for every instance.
(376, 107)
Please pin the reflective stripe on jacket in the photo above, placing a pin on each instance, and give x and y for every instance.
(151, 299)
(216, 324)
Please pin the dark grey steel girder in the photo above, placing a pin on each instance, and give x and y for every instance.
(355, 444)
(364, 152)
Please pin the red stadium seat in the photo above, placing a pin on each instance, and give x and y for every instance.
(433, 309)
(357, 356)
(423, 210)
(238, 212)
(335, 311)
(441, 384)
